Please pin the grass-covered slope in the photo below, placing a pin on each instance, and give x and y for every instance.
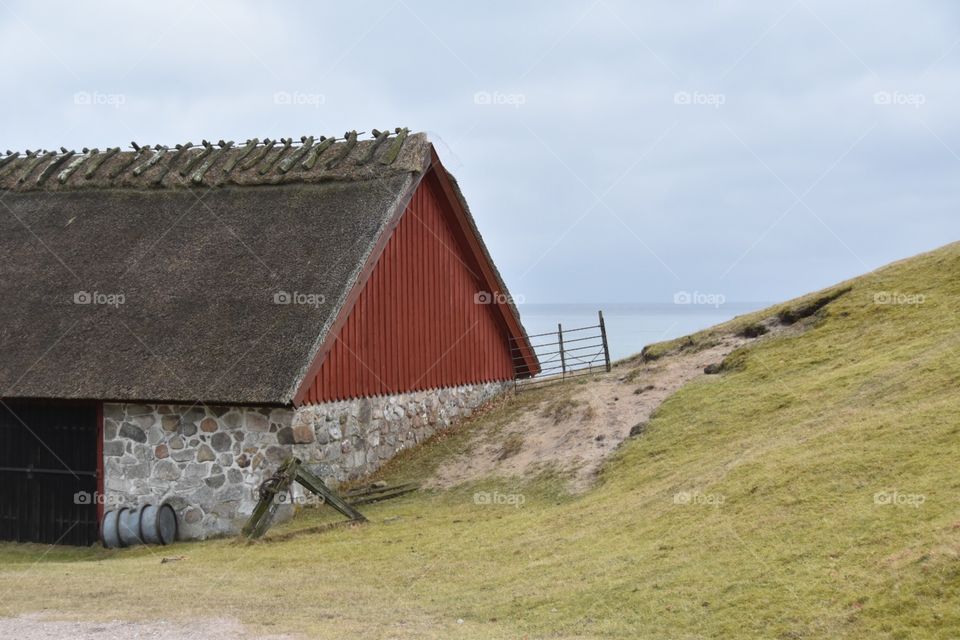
(809, 491)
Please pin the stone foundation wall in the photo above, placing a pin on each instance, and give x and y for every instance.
(207, 461)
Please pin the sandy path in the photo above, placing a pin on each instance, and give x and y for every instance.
(577, 436)
(35, 627)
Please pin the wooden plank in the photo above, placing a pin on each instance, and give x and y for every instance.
(379, 138)
(363, 491)
(51, 168)
(197, 176)
(97, 160)
(73, 166)
(391, 154)
(381, 496)
(196, 159)
(317, 151)
(244, 152)
(272, 162)
(344, 151)
(33, 163)
(315, 484)
(255, 159)
(141, 153)
(290, 160)
(151, 162)
(267, 507)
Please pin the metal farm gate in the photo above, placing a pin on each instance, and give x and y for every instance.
(48, 472)
(567, 353)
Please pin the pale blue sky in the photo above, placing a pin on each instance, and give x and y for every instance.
(611, 152)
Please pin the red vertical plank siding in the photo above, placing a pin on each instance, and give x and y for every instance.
(419, 300)
(416, 325)
(375, 331)
(403, 319)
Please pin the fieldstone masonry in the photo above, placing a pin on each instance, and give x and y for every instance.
(208, 461)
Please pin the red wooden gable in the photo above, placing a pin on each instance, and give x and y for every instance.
(427, 315)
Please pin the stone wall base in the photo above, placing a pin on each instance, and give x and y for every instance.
(208, 461)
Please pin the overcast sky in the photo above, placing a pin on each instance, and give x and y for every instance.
(611, 152)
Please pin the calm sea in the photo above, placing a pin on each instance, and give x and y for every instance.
(630, 327)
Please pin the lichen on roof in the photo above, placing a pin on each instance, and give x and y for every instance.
(309, 159)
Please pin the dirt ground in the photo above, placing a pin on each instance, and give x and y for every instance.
(35, 627)
(577, 433)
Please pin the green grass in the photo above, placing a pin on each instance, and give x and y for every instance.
(747, 509)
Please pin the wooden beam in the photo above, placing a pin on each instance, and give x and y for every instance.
(265, 169)
(317, 151)
(247, 150)
(10, 158)
(33, 163)
(377, 497)
(290, 471)
(97, 160)
(379, 138)
(316, 485)
(345, 150)
(137, 157)
(181, 149)
(255, 159)
(51, 168)
(151, 162)
(267, 507)
(292, 159)
(73, 166)
(197, 176)
(195, 160)
(391, 154)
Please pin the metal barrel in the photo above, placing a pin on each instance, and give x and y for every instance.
(148, 524)
(110, 530)
(158, 525)
(129, 526)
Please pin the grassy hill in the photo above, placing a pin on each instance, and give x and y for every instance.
(809, 491)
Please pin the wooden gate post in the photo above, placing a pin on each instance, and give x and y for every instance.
(290, 471)
(563, 361)
(603, 334)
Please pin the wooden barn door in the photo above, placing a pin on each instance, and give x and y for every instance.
(48, 472)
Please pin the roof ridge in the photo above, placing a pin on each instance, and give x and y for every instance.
(267, 161)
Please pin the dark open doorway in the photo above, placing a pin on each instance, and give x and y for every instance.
(48, 472)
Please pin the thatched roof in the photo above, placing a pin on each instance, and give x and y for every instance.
(310, 159)
(150, 284)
